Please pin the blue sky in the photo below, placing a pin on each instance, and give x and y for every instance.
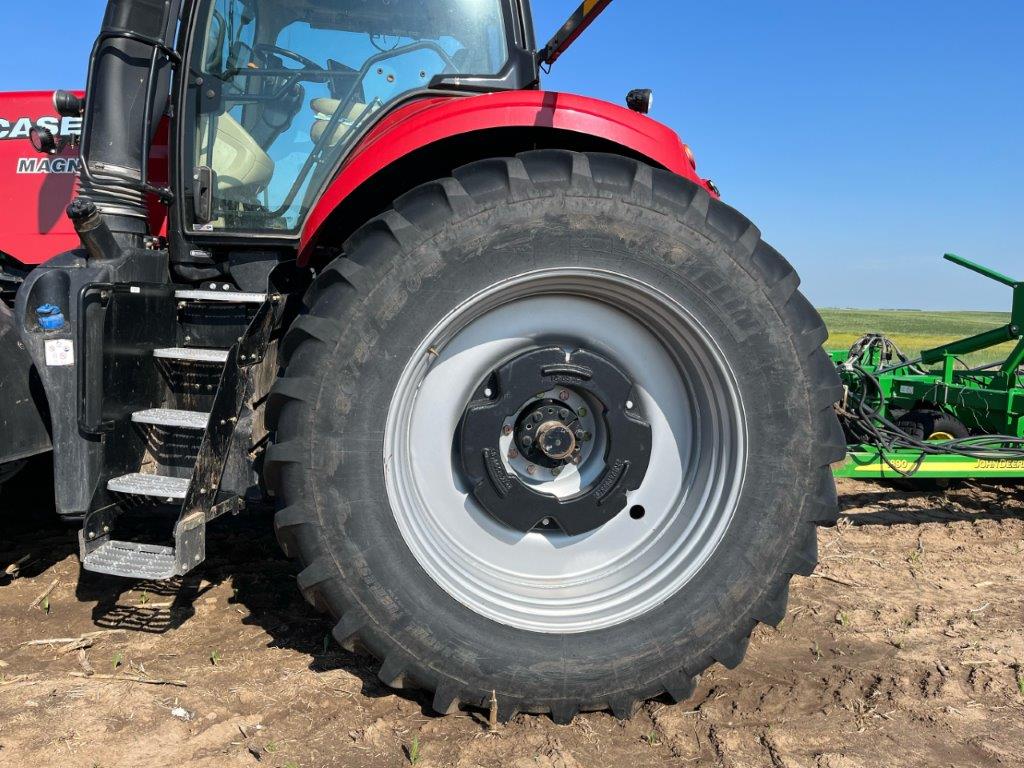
(865, 138)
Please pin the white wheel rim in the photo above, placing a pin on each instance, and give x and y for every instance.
(550, 582)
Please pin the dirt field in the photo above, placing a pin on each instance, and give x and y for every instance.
(904, 649)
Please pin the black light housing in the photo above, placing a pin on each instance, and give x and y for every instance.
(43, 140)
(68, 104)
(640, 100)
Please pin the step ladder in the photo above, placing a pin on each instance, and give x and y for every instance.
(196, 496)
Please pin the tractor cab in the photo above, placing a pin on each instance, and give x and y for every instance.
(280, 90)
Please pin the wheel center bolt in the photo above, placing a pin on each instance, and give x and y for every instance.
(556, 440)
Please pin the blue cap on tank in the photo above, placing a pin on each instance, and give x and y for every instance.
(50, 317)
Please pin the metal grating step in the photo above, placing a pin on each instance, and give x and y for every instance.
(158, 486)
(233, 297)
(132, 560)
(192, 354)
(169, 417)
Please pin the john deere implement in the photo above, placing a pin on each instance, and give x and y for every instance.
(935, 417)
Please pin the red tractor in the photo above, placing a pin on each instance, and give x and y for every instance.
(545, 422)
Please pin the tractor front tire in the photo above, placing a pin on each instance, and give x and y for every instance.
(630, 279)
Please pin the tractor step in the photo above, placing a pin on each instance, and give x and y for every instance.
(192, 354)
(234, 297)
(157, 486)
(169, 417)
(130, 559)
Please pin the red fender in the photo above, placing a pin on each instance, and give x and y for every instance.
(429, 120)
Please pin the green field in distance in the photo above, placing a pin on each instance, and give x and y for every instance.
(912, 330)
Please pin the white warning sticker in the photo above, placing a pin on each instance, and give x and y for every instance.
(60, 352)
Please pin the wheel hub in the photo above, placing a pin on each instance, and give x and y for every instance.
(555, 440)
(535, 417)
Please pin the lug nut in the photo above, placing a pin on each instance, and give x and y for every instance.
(556, 471)
(527, 441)
(506, 430)
(513, 453)
(563, 414)
(563, 395)
(576, 459)
(531, 470)
(583, 411)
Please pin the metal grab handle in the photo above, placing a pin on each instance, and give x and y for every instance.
(86, 423)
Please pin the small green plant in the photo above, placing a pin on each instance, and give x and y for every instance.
(118, 660)
(144, 598)
(1020, 680)
(45, 605)
(271, 747)
(413, 750)
(841, 619)
(651, 739)
(215, 657)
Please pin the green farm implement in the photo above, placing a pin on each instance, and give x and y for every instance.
(935, 417)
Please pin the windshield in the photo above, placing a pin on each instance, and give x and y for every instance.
(288, 85)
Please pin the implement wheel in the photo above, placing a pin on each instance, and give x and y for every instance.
(558, 427)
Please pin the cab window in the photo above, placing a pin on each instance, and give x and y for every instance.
(289, 85)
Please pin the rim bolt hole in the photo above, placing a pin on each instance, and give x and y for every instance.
(637, 512)
(629, 405)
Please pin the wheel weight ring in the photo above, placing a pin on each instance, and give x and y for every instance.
(548, 431)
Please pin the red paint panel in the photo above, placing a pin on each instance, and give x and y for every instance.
(428, 120)
(34, 189)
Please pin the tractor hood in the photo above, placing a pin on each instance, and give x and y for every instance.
(34, 188)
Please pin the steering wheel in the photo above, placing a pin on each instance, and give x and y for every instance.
(268, 48)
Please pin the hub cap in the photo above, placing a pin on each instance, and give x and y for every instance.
(661, 398)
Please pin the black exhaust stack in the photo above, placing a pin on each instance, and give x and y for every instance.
(126, 97)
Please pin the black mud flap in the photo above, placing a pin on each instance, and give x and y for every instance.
(24, 416)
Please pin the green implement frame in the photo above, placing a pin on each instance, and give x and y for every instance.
(882, 386)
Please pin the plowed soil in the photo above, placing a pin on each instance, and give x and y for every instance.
(905, 648)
